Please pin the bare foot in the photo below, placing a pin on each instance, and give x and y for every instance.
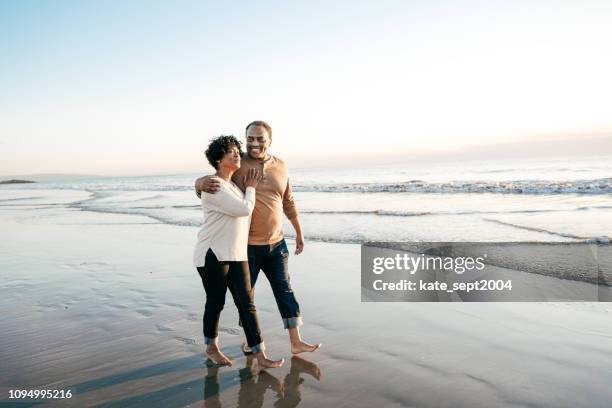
(217, 357)
(302, 346)
(264, 362)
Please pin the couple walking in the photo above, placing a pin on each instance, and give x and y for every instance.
(243, 204)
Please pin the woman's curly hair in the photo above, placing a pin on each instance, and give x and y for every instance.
(219, 147)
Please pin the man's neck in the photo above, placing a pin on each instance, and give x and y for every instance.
(260, 159)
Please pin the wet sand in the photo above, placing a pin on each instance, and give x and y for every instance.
(109, 306)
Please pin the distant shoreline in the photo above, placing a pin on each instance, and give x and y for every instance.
(16, 181)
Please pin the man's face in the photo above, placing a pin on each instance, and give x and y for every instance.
(257, 142)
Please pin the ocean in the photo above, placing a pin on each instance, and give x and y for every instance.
(521, 200)
(99, 295)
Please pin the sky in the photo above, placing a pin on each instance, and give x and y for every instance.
(140, 87)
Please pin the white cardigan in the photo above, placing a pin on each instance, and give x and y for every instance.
(227, 218)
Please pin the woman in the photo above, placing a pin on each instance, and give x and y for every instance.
(220, 254)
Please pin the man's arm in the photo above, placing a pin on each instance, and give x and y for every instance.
(209, 184)
(299, 236)
(291, 212)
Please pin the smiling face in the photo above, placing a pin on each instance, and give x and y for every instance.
(231, 159)
(257, 140)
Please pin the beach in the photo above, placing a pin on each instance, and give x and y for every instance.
(443, 169)
(108, 305)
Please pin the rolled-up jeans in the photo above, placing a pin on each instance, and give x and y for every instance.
(273, 260)
(217, 277)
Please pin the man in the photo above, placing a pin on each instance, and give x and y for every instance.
(267, 249)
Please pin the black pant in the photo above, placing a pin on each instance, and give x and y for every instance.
(217, 277)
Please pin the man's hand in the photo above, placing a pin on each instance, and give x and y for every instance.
(299, 235)
(299, 244)
(208, 184)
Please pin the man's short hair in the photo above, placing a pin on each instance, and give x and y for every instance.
(219, 147)
(262, 124)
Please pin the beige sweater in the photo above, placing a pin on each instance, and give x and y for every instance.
(274, 197)
(227, 215)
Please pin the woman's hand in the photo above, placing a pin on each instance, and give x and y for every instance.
(251, 179)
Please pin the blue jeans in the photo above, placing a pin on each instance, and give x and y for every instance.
(273, 260)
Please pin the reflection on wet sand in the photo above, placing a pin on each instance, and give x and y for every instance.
(255, 382)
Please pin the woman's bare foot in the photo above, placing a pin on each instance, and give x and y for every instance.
(264, 362)
(301, 347)
(217, 357)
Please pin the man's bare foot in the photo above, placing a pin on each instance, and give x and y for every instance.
(264, 362)
(301, 347)
(216, 356)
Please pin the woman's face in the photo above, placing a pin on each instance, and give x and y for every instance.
(231, 160)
